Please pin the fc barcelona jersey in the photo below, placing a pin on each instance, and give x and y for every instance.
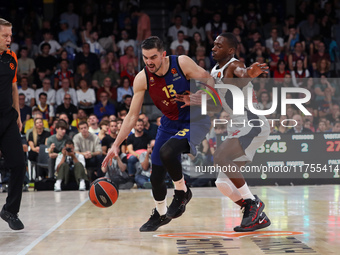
(162, 90)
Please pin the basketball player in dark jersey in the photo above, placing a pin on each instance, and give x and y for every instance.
(165, 77)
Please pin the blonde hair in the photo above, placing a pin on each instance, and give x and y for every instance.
(35, 132)
(5, 23)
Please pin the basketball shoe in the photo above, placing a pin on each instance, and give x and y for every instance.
(177, 206)
(262, 222)
(154, 222)
(252, 210)
(12, 219)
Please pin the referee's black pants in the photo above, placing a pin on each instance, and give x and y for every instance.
(11, 147)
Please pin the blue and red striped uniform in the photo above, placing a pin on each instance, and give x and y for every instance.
(176, 122)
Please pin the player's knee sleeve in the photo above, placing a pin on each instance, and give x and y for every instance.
(227, 188)
(157, 181)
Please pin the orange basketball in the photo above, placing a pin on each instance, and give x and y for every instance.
(103, 192)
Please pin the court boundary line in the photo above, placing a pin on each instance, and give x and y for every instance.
(52, 229)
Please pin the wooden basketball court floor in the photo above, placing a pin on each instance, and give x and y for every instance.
(305, 220)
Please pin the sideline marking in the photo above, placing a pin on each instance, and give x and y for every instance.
(48, 232)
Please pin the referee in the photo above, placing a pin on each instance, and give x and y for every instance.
(10, 124)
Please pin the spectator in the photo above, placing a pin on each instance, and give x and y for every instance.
(275, 56)
(200, 55)
(321, 54)
(149, 128)
(180, 41)
(143, 24)
(143, 169)
(85, 34)
(108, 140)
(281, 71)
(86, 97)
(28, 92)
(26, 65)
(125, 105)
(46, 109)
(173, 30)
(299, 73)
(104, 107)
(125, 42)
(196, 42)
(87, 57)
(82, 73)
(130, 72)
(129, 57)
(71, 17)
(336, 127)
(273, 23)
(38, 78)
(299, 128)
(65, 89)
(30, 123)
(326, 104)
(63, 73)
(252, 15)
(81, 116)
(46, 88)
(124, 89)
(214, 28)
(55, 48)
(116, 171)
(25, 111)
(108, 44)
(68, 38)
(55, 144)
(35, 138)
(321, 127)
(104, 128)
(100, 75)
(309, 27)
(68, 108)
(122, 114)
(320, 87)
(323, 67)
(112, 61)
(108, 88)
(95, 47)
(71, 131)
(107, 20)
(274, 38)
(45, 61)
(308, 124)
(70, 163)
(88, 145)
(334, 114)
(265, 102)
(89, 11)
(93, 124)
(297, 55)
(194, 28)
(136, 144)
(32, 49)
(293, 38)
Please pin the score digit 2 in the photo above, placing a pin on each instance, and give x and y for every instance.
(333, 146)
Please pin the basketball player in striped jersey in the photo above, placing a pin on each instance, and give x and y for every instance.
(243, 140)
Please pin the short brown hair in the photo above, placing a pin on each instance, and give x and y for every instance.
(82, 123)
(103, 122)
(61, 124)
(5, 23)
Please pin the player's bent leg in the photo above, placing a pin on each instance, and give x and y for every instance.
(227, 188)
(169, 154)
(158, 217)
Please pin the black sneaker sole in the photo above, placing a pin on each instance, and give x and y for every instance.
(9, 224)
(181, 209)
(148, 229)
(252, 228)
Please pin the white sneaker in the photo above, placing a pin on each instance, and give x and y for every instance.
(82, 186)
(57, 187)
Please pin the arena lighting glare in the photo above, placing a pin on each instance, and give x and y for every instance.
(238, 100)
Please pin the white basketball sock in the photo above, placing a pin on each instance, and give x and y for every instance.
(161, 207)
(227, 188)
(245, 192)
(180, 185)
